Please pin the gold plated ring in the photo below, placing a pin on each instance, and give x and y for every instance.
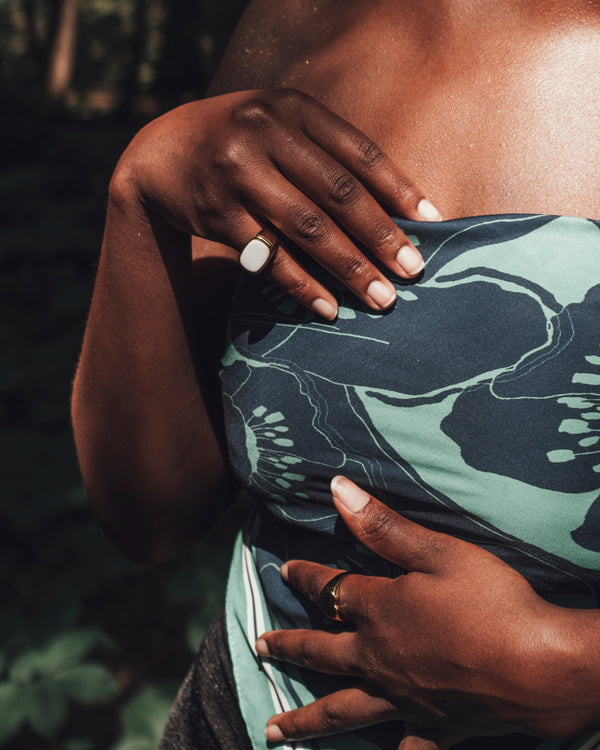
(257, 253)
(328, 598)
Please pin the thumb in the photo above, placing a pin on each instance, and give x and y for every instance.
(387, 533)
(427, 738)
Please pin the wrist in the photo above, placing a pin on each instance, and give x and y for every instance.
(565, 671)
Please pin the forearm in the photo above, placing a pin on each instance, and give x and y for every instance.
(150, 459)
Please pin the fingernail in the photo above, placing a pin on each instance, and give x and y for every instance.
(410, 259)
(274, 734)
(324, 309)
(351, 496)
(283, 570)
(381, 294)
(428, 211)
(261, 647)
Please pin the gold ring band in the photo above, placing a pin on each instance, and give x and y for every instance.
(328, 598)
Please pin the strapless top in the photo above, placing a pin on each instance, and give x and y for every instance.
(472, 407)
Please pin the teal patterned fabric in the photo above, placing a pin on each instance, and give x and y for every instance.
(473, 407)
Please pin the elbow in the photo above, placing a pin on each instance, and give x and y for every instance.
(151, 509)
(150, 525)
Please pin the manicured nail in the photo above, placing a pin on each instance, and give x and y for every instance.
(428, 211)
(324, 309)
(274, 734)
(283, 570)
(410, 259)
(261, 647)
(381, 294)
(351, 496)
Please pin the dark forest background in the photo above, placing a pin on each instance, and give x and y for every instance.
(92, 647)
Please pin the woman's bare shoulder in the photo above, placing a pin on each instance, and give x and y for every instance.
(273, 37)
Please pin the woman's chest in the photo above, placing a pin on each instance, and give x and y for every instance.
(499, 119)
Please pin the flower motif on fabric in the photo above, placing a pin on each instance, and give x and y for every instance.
(270, 450)
(586, 428)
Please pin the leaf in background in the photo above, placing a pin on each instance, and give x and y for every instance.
(25, 668)
(68, 650)
(144, 718)
(62, 653)
(45, 707)
(88, 683)
(136, 743)
(12, 711)
(80, 743)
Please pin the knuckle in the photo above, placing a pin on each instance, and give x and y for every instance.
(255, 115)
(345, 189)
(330, 716)
(297, 287)
(377, 524)
(311, 226)
(307, 655)
(230, 157)
(405, 192)
(352, 267)
(385, 235)
(370, 154)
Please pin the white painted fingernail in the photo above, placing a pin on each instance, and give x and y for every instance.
(410, 259)
(274, 734)
(261, 647)
(428, 211)
(324, 308)
(351, 496)
(381, 294)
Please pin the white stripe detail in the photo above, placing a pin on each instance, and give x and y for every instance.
(254, 595)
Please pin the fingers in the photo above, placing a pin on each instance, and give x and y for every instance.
(284, 269)
(370, 164)
(321, 182)
(309, 226)
(353, 594)
(332, 653)
(342, 195)
(339, 712)
(389, 534)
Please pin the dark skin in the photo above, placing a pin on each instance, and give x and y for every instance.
(461, 646)
(475, 107)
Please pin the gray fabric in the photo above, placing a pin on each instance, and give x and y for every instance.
(206, 714)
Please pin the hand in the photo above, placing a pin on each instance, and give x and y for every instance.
(227, 167)
(459, 646)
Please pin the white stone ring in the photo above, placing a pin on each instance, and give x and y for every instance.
(257, 253)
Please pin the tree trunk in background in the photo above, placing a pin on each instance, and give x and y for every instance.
(62, 57)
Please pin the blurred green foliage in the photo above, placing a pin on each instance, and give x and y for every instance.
(139, 55)
(92, 647)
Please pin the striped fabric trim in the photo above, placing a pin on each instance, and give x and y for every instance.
(261, 684)
(258, 681)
